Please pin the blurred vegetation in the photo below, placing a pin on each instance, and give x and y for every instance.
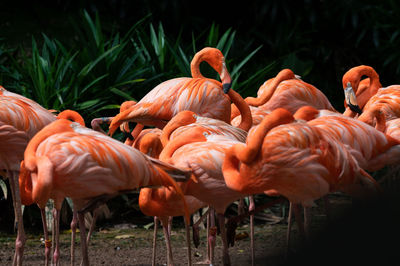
(91, 56)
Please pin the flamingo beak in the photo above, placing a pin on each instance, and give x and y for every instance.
(225, 78)
(351, 99)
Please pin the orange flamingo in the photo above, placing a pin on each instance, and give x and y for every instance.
(203, 153)
(20, 119)
(206, 97)
(358, 91)
(372, 148)
(163, 203)
(67, 160)
(287, 91)
(295, 160)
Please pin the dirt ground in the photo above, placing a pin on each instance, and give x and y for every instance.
(352, 234)
(127, 244)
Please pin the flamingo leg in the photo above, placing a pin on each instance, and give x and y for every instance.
(56, 254)
(299, 219)
(21, 237)
(225, 253)
(74, 223)
(153, 257)
(289, 229)
(195, 228)
(212, 232)
(92, 225)
(170, 218)
(251, 210)
(167, 242)
(189, 250)
(82, 229)
(47, 242)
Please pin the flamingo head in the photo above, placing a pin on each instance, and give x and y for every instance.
(216, 60)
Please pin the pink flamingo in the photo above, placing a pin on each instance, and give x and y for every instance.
(20, 119)
(67, 160)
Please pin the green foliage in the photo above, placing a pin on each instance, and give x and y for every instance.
(100, 69)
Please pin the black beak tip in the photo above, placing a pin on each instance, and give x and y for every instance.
(226, 87)
(355, 108)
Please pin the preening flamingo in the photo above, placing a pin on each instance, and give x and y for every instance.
(20, 119)
(287, 91)
(358, 91)
(296, 160)
(203, 153)
(372, 148)
(206, 97)
(67, 160)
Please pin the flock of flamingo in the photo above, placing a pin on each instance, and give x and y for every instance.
(203, 145)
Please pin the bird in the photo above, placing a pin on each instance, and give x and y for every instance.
(295, 160)
(188, 120)
(66, 159)
(204, 96)
(287, 91)
(20, 119)
(203, 153)
(163, 203)
(358, 91)
(385, 101)
(372, 148)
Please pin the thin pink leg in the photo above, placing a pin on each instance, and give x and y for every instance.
(212, 236)
(21, 237)
(189, 250)
(225, 252)
(153, 257)
(74, 224)
(289, 229)
(251, 210)
(56, 255)
(47, 241)
(170, 260)
(82, 229)
(92, 225)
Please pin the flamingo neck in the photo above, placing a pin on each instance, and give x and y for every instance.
(283, 75)
(71, 115)
(248, 153)
(194, 135)
(244, 109)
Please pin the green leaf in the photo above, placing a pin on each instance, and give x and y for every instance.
(121, 93)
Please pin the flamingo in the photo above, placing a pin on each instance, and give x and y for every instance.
(287, 91)
(177, 128)
(206, 97)
(358, 91)
(295, 160)
(203, 153)
(65, 159)
(20, 119)
(372, 148)
(163, 203)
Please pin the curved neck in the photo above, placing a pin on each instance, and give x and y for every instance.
(306, 113)
(369, 116)
(195, 135)
(183, 118)
(248, 153)
(283, 75)
(53, 128)
(244, 109)
(195, 68)
(373, 76)
(71, 115)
